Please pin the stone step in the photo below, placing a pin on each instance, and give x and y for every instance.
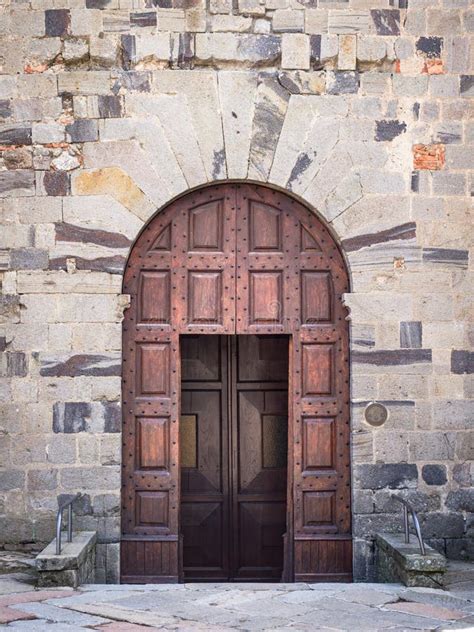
(15, 562)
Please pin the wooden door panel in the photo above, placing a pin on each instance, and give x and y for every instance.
(262, 447)
(261, 529)
(260, 435)
(202, 462)
(262, 358)
(204, 458)
(204, 540)
(152, 448)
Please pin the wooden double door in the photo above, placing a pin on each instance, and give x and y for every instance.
(233, 454)
(243, 262)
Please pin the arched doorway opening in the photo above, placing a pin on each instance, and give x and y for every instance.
(236, 345)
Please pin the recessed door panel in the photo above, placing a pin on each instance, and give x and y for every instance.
(233, 452)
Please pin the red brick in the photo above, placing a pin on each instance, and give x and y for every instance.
(429, 157)
(433, 67)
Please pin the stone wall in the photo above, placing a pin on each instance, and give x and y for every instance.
(110, 108)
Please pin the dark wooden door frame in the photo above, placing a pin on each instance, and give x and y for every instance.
(158, 266)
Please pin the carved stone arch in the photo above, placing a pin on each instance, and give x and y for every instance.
(237, 258)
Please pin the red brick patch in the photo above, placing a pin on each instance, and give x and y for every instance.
(433, 67)
(429, 157)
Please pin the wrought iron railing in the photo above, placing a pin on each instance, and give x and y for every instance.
(407, 507)
(59, 520)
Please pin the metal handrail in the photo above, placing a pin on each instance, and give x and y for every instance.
(59, 520)
(407, 507)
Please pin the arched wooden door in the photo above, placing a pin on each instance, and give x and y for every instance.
(237, 258)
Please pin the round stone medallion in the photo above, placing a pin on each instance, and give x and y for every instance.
(376, 414)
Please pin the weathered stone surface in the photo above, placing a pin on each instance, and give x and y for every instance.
(411, 335)
(342, 82)
(73, 366)
(386, 21)
(388, 130)
(82, 131)
(393, 476)
(20, 135)
(57, 22)
(434, 474)
(462, 361)
(74, 417)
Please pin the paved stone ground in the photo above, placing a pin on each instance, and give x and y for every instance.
(225, 607)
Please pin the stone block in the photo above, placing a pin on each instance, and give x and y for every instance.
(75, 50)
(444, 86)
(435, 446)
(391, 447)
(370, 49)
(374, 83)
(57, 22)
(75, 565)
(460, 157)
(316, 21)
(45, 133)
(288, 21)
(467, 85)
(295, 51)
(86, 23)
(392, 475)
(18, 135)
(449, 183)
(143, 19)
(443, 22)
(342, 21)
(29, 259)
(106, 477)
(346, 59)
(84, 82)
(171, 20)
(61, 449)
(18, 183)
(82, 131)
(20, 158)
(231, 23)
(410, 86)
(462, 361)
(251, 7)
(42, 480)
(53, 183)
(245, 48)
(398, 561)
(11, 480)
(434, 474)
(73, 417)
(387, 130)
(342, 82)
(386, 21)
(411, 334)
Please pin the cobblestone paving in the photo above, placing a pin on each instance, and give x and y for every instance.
(224, 607)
